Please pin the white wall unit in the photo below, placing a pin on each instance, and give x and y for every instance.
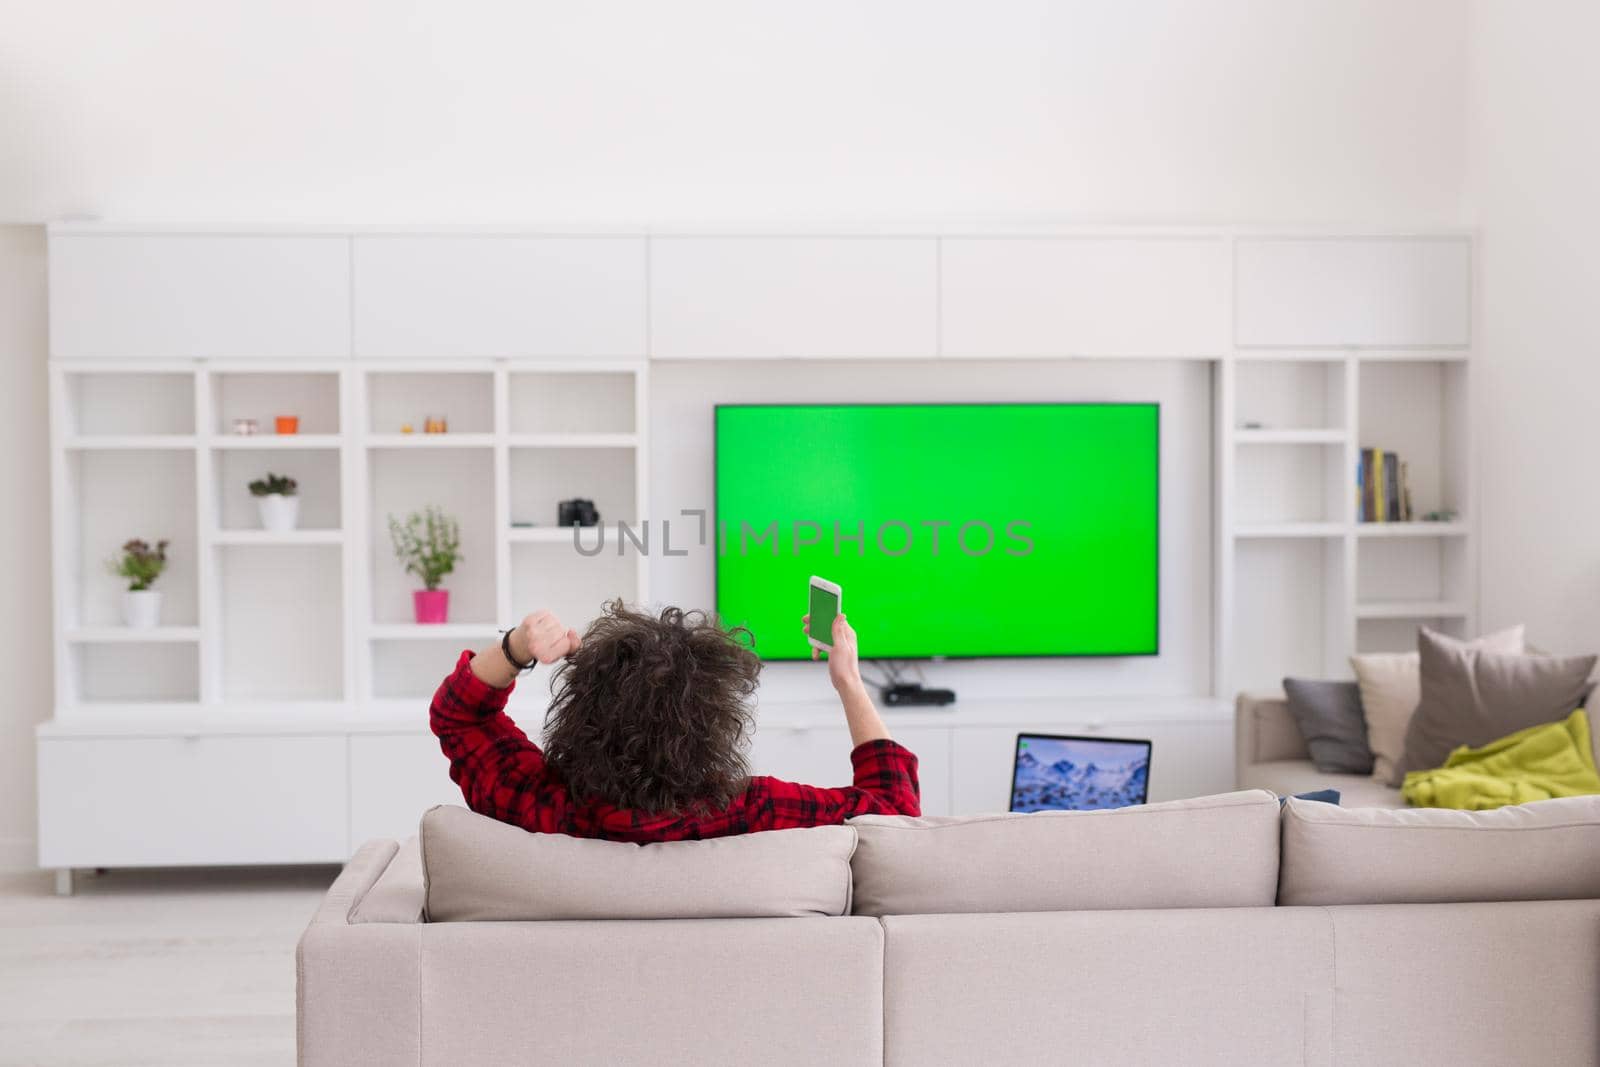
(788, 297)
(1372, 292)
(172, 296)
(394, 778)
(1308, 584)
(169, 800)
(1062, 296)
(287, 683)
(434, 296)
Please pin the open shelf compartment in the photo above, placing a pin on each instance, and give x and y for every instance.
(282, 623)
(571, 402)
(1293, 484)
(1290, 395)
(117, 496)
(1290, 617)
(543, 477)
(148, 404)
(397, 399)
(316, 472)
(461, 482)
(1418, 410)
(312, 398)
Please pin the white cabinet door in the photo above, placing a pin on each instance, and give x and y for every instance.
(155, 801)
(800, 297)
(171, 296)
(394, 778)
(536, 297)
(1187, 759)
(821, 756)
(1069, 296)
(1377, 292)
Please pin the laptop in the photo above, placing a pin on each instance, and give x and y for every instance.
(1058, 772)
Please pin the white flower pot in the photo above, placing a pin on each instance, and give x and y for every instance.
(141, 609)
(278, 512)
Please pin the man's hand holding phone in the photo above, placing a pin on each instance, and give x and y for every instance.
(844, 671)
(844, 664)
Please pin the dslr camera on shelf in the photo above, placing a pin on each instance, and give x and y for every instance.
(577, 512)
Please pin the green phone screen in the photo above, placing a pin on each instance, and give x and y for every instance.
(824, 607)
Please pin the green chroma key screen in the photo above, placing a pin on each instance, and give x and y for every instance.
(952, 529)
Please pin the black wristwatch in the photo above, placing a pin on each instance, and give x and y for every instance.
(505, 647)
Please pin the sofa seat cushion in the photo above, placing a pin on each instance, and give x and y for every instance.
(1289, 778)
(1209, 852)
(479, 869)
(1548, 850)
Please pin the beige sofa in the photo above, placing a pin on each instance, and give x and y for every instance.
(1207, 931)
(1269, 753)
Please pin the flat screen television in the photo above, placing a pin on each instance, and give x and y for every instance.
(954, 530)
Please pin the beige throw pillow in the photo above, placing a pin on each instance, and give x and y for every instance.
(1391, 689)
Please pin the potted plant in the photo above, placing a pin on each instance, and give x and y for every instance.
(277, 501)
(428, 543)
(141, 565)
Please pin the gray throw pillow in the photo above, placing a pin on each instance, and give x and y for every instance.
(1330, 718)
(1472, 697)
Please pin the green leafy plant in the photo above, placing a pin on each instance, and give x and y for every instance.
(428, 542)
(140, 564)
(274, 484)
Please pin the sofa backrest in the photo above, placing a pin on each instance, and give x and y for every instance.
(1209, 852)
(476, 868)
(1548, 850)
(1264, 731)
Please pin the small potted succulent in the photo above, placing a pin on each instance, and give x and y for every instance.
(428, 543)
(277, 501)
(141, 565)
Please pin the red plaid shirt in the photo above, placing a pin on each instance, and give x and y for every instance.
(504, 775)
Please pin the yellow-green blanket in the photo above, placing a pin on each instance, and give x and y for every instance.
(1553, 760)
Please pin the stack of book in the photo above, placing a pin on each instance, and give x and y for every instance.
(1383, 487)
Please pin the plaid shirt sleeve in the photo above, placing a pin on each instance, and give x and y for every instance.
(501, 773)
(885, 784)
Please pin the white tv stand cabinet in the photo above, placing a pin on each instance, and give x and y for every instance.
(278, 714)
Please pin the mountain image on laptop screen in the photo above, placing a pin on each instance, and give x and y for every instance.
(1078, 775)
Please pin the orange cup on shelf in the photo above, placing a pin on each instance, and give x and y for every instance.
(287, 423)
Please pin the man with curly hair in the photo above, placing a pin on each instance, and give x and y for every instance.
(647, 732)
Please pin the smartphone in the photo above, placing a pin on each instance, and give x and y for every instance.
(824, 606)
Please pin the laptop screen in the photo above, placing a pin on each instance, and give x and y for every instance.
(1054, 773)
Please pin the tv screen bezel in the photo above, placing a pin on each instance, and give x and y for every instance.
(936, 657)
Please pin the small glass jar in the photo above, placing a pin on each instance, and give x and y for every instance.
(246, 427)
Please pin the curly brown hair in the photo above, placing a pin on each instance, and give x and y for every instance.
(652, 713)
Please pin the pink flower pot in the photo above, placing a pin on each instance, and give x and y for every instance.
(431, 605)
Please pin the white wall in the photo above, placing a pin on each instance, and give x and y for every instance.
(697, 110)
(25, 615)
(1536, 192)
(682, 396)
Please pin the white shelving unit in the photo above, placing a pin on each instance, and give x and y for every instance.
(287, 681)
(144, 450)
(1378, 354)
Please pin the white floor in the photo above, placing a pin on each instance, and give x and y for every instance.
(153, 967)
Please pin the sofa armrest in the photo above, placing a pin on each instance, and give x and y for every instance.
(358, 876)
(1264, 731)
(358, 985)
